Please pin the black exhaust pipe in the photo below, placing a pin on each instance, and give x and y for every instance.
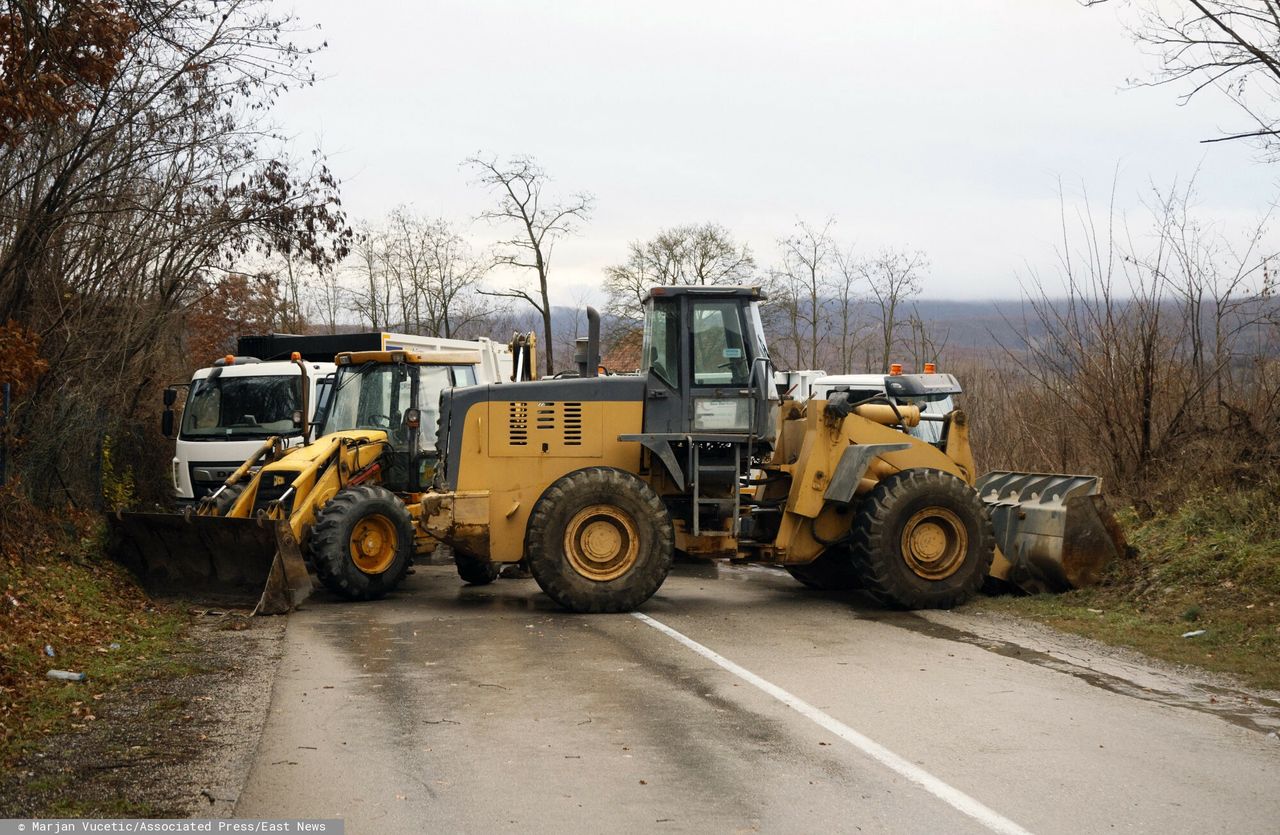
(587, 357)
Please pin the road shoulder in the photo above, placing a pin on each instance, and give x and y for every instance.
(175, 745)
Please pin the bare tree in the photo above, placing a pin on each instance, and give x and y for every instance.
(692, 254)
(849, 305)
(807, 257)
(419, 275)
(1148, 362)
(328, 299)
(455, 302)
(1232, 46)
(925, 343)
(372, 296)
(518, 184)
(1221, 285)
(893, 278)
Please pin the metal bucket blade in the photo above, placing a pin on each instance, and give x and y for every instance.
(1054, 530)
(288, 583)
(221, 560)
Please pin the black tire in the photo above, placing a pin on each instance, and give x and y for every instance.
(474, 571)
(892, 571)
(629, 526)
(331, 540)
(833, 570)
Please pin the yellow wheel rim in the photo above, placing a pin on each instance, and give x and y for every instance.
(601, 542)
(934, 543)
(373, 544)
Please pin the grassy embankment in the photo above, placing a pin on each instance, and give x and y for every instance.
(1211, 564)
(57, 589)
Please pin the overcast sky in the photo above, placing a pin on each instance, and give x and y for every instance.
(933, 124)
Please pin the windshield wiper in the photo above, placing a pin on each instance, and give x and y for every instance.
(361, 371)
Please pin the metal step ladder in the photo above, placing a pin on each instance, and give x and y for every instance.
(719, 472)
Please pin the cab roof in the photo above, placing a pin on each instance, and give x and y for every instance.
(409, 357)
(705, 290)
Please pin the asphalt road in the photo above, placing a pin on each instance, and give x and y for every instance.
(741, 702)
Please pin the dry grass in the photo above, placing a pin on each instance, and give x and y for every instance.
(1212, 564)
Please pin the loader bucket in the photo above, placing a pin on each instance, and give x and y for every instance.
(1054, 531)
(221, 560)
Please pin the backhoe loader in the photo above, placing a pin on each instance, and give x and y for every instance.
(345, 502)
(593, 483)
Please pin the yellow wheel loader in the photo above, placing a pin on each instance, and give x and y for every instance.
(593, 483)
(345, 502)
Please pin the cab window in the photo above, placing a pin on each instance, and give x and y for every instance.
(661, 351)
(719, 351)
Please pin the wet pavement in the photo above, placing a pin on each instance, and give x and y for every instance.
(454, 708)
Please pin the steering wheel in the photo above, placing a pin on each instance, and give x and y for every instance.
(385, 418)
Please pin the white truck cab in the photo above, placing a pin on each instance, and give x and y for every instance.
(231, 408)
(932, 392)
(235, 404)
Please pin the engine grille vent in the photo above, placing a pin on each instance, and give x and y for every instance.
(573, 424)
(518, 424)
(546, 426)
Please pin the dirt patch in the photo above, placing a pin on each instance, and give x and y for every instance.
(174, 744)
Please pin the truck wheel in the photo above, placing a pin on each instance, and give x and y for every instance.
(833, 570)
(923, 540)
(362, 542)
(599, 540)
(475, 572)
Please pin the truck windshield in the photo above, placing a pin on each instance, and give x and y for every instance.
(241, 407)
(375, 396)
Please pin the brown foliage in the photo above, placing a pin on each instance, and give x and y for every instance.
(119, 216)
(52, 55)
(20, 362)
(235, 304)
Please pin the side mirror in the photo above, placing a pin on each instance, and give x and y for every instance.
(166, 422)
(170, 396)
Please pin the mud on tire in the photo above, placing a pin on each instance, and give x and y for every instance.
(599, 540)
(922, 540)
(371, 515)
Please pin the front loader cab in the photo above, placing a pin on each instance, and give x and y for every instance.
(396, 392)
(707, 364)
(709, 404)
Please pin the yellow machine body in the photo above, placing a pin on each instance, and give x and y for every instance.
(740, 474)
(513, 451)
(245, 543)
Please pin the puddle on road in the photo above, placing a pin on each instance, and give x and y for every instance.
(1238, 708)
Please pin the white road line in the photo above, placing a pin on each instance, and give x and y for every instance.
(946, 793)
